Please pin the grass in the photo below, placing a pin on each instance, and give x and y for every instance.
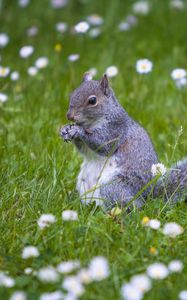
(38, 171)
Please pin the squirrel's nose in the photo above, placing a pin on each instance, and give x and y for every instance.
(70, 116)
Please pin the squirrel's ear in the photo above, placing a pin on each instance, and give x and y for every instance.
(105, 84)
(87, 77)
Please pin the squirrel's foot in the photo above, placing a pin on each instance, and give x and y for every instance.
(69, 132)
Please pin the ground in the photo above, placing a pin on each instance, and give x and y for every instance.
(38, 171)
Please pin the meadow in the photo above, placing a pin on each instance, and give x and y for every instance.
(38, 170)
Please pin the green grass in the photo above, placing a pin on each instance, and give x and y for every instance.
(38, 171)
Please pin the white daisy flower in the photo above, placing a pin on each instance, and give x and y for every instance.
(82, 27)
(95, 20)
(94, 32)
(73, 285)
(172, 229)
(26, 51)
(32, 71)
(180, 83)
(111, 71)
(177, 4)
(3, 97)
(4, 71)
(178, 73)
(175, 266)
(57, 295)
(141, 282)
(92, 72)
(130, 292)
(46, 220)
(84, 276)
(157, 271)
(18, 295)
(68, 266)
(144, 66)
(30, 251)
(41, 62)
(14, 76)
(69, 215)
(4, 40)
(132, 20)
(124, 26)
(59, 3)
(23, 3)
(48, 274)
(28, 271)
(158, 169)
(183, 295)
(141, 7)
(6, 281)
(98, 268)
(73, 57)
(154, 224)
(32, 31)
(61, 27)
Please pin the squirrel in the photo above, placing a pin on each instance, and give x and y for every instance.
(117, 152)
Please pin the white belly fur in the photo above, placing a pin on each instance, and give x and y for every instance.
(95, 172)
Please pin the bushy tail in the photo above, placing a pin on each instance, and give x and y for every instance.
(173, 185)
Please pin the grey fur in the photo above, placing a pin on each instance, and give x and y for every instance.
(108, 131)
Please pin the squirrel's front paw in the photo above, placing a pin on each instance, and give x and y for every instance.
(69, 132)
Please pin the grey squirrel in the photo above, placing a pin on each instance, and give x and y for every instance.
(118, 153)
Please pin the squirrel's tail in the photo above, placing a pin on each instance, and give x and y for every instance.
(173, 185)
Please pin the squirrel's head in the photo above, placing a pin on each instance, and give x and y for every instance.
(89, 103)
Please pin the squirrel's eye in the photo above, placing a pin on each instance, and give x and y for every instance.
(92, 100)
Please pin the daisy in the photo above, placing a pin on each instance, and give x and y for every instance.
(28, 271)
(112, 71)
(84, 276)
(41, 62)
(144, 66)
(129, 292)
(115, 211)
(69, 215)
(4, 40)
(68, 266)
(82, 27)
(14, 76)
(180, 83)
(145, 221)
(73, 285)
(178, 73)
(73, 57)
(59, 3)
(124, 26)
(141, 282)
(57, 295)
(32, 31)
(4, 71)
(183, 295)
(23, 3)
(158, 169)
(30, 251)
(92, 72)
(99, 268)
(3, 97)
(154, 224)
(6, 281)
(61, 27)
(94, 32)
(48, 274)
(18, 295)
(141, 7)
(175, 266)
(172, 229)
(46, 220)
(157, 271)
(32, 71)
(26, 51)
(95, 20)
(177, 4)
